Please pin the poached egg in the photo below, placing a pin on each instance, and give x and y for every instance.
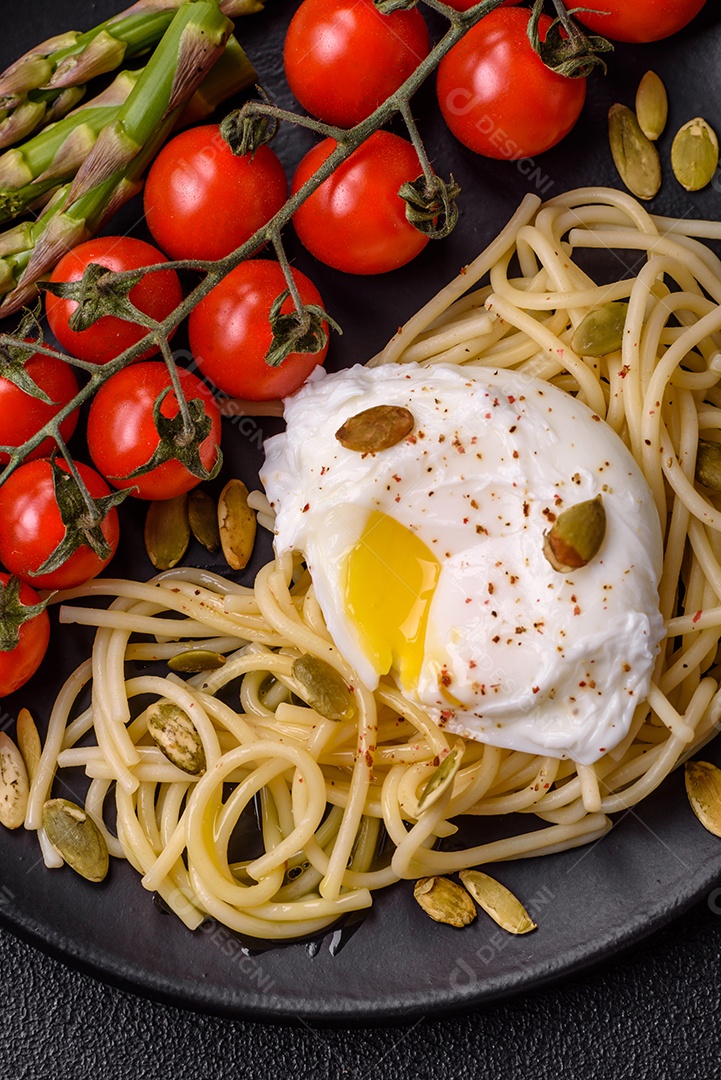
(427, 557)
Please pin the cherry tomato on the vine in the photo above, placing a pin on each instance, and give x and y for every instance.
(123, 437)
(202, 201)
(496, 94)
(155, 294)
(640, 20)
(356, 220)
(230, 332)
(24, 636)
(343, 57)
(31, 527)
(22, 414)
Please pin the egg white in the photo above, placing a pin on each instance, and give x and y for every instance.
(514, 653)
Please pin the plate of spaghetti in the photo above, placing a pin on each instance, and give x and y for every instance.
(414, 678)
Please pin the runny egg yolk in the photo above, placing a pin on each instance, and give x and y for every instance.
(390, 576)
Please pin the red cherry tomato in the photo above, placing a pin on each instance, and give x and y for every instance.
(202, 202)
(22, 415)
(356, 220)
(31, 527)
(21, 660)
(155, 294)
(230, 333)
(122, 435)
(343, 57)
(641, 20)
(496, 94)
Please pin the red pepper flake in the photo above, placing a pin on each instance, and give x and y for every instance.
(535, 689)
(305, 509)
(697, 616)
(369, 759)
(577, 610)
(511, 399)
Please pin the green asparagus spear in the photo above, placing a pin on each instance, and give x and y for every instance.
(31, 88)
(31, 171)
(112, 171)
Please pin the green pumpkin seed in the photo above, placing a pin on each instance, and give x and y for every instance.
(442, 778)
(708, 464)
(635, 156)
(445, 901)
(703, 787)
(28, 742)
(14, 785)
(237, 524)
(167, 532)
(196, 660)
(601, 332)
(695, 154)
(651, 105)
(324, 689)
(576, 536)
(203, 519)
(375, 429)
(498, 902)
(77, 838)
(177, 736)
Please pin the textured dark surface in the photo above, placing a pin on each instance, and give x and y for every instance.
(649, 1013)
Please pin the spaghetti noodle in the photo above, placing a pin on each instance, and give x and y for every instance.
(338, 799)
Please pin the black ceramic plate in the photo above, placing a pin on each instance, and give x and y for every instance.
(590, 902)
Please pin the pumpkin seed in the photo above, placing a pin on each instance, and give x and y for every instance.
(14, 786)
(445, 901)
(203, 519)
(498, 902)
(375, 429)
(635, 156)
(576, 536)
(703, 787)
(28, 742)
(177, 736)
(601, 332)
(442, 778)
(237, 524)
(196, 660)
(77, 838)
(167, 532)
(651, 105)
(708, 464)
(325, 690)
(695, 154)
